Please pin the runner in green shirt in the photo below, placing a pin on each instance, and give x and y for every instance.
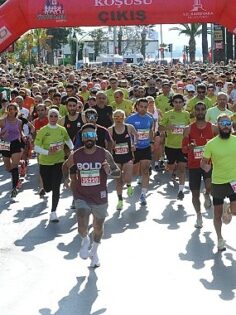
(221, 150)
(49, 143)
(173, 123)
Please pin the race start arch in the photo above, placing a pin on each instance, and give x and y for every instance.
(19, 16)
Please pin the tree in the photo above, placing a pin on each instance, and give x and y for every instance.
(144, 32)
(57, 37)
(191, 31)
(120, 38)
(204, 42)
(98, 37)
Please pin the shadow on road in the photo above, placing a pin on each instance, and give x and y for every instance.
(198, 252)
(224, 277)
(172, 216)
(79, 301)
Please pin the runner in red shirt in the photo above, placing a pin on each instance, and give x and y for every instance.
(196, 136)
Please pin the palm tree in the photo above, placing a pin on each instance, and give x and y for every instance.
(191, 31)
(204, 42)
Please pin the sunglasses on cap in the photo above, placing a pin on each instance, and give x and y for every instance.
(225, 123)
(89, 135)
(92, 116)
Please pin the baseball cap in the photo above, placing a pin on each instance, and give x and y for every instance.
(84, 83)
(190, 88)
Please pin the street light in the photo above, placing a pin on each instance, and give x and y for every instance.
(77, 39)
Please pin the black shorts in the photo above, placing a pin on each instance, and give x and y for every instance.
(16, 146)
(142, 154)
(195, 177)
(220, 192)
(175, 156)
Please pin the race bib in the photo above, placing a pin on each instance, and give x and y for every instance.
(4, 146)
(198, 152)
(143, 134)
(121, 148)
(178, 129)
(233, 185)
(90, 178)
(58, 145)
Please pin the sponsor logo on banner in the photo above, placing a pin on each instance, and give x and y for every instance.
(4, 34)
(119, 15)
(198, 11)
(53, 10)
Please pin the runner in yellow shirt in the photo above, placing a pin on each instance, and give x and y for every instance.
(221, 150)
(173, 123)
(121, 103)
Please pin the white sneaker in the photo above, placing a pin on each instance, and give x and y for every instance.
(139, 180)
(198, 223)
(53, 217)
(94, 259)
(221, 244)
(84, 249)
(207, 201)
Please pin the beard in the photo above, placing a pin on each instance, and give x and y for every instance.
(89, 144)
(224, 135)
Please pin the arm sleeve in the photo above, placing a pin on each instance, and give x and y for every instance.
(40, 150)
(70, 144)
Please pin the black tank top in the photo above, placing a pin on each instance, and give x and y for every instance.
(73, 127)
(122, 152)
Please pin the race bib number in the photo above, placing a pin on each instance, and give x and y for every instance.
(90, 178)
(4, 146)
(58, 146)
(121, 148)
(198, 152)
(143, 134)
(178, 129)
(233, 185)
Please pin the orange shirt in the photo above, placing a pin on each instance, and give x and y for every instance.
(28, 102)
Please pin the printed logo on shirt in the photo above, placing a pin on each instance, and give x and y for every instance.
(89, 166)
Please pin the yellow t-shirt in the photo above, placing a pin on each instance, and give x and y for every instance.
(163, 103)
(191, 103)
(222, 153)
(179, 120)
(85, 95)
(126, 106)
(110, 94)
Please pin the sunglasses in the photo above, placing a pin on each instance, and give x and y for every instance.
(91, 117)
(225, 123)
(89, 135)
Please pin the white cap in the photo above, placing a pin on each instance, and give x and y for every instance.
(84, 83)
(53, 110)
(190, 88)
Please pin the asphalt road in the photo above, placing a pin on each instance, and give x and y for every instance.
(153, 260)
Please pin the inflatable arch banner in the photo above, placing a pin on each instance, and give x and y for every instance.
(19, 16)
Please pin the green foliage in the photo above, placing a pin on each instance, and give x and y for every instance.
(59, 37)
(98, 35)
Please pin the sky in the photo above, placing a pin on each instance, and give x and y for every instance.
(169, 37)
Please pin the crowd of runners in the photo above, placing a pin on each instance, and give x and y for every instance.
(85, 126)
